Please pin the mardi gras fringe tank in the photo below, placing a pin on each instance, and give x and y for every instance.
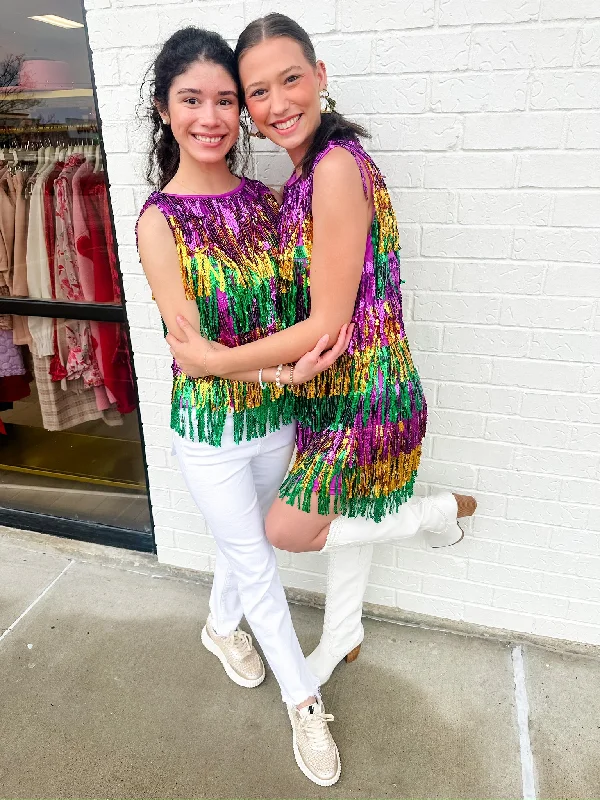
(360, 423)
(227, 247)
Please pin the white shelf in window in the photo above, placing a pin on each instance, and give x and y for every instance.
(45, 94)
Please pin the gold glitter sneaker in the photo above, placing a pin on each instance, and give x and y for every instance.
(315, 751)
(237, 654)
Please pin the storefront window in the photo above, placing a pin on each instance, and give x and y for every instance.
(69, 431)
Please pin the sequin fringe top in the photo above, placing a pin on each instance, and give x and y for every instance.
(227, 246)
(360, 423)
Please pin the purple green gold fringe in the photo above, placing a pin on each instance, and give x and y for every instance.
(360, 423)
(200, 407)
(227, 248)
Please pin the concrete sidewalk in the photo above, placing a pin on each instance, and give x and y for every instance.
(106, 692)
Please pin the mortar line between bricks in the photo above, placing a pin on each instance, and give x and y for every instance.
(495, 326)
(36, 601)
(465, 151)
(512, 416)
(470, 72)
(522, 704)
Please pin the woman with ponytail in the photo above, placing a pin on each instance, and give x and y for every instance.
(208, 244)
(361, 423)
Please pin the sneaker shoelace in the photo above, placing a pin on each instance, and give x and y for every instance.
(241, 641)
(315, 727)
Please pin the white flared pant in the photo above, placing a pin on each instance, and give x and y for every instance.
(233, 486)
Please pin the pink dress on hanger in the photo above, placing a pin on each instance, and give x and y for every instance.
(81, 361)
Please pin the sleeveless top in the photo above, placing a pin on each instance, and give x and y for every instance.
(360, 423)
(227, 247)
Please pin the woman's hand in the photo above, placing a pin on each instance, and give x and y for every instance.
(191, 352)
(319, 359)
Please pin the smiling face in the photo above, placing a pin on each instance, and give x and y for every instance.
(203, 112)
(282, 92)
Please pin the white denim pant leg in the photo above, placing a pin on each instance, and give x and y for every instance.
(222, 483)
(224, 603)
(269, 470)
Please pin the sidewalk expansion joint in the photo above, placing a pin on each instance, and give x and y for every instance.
(36, 601)
(522, 704)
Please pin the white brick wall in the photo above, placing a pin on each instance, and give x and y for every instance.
(485, 119)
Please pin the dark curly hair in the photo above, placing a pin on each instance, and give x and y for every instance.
(333, 125)
(182, 49)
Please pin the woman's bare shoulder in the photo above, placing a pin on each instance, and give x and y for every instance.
(338, 170)
(151, 225)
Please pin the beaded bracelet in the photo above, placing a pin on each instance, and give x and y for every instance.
(278, 376)
(292, 367)
(260, 380)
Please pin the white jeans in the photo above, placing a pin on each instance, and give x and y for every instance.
(233, 486)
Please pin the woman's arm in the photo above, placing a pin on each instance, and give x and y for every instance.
(341, 221)
(311, 364)
(160, 261)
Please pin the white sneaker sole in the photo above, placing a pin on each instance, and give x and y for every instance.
(247, 683)
(305, 769)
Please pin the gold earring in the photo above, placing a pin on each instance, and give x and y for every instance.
(327, 102)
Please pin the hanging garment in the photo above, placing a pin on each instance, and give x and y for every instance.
(85, 265)
(38, 268)
(106, 277)
(97, 248)
(81, 361)
(7, 224)
(81, 232)
(6, 248)
(21, 333)
(3, 262)
(15, 387)
(62, 409)
(48, 202)
(6, 321)
(66, 277)
(11, 357)
(14, 375)
(20, 288)
(116, 366)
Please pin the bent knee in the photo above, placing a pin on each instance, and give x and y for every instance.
(284, 534)
(278, 534)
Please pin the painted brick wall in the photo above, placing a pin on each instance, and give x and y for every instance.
(485, 120)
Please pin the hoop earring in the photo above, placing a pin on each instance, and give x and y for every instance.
(327, 102)
(251, 129)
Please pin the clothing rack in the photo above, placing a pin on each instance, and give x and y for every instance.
(58, 252)
(23, 156)
(45, 135)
